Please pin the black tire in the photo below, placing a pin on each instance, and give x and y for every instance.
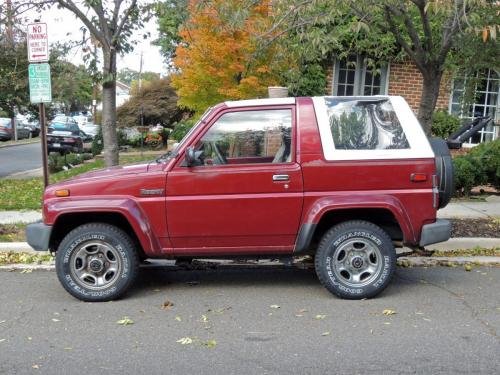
(355, 250)
(94, 254)
(444, 170)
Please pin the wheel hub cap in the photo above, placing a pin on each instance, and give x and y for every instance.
(96, 265)
(357, 262)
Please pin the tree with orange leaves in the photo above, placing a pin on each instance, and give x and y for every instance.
(219, 57)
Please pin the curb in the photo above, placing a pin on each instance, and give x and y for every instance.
(21, 144)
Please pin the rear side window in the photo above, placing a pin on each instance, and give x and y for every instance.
(364, 125)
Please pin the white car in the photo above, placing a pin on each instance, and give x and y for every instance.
(90, 128)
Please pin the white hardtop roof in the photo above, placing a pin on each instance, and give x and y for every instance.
(256, 102)
(291, 100)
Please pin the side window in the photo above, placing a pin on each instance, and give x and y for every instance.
(247, 137)
(364, 125)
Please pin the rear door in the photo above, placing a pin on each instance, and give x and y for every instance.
(245, 195)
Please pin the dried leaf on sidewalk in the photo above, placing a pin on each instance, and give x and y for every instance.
(210, 343)
(275, 306)
(320, 317)
(325, 334)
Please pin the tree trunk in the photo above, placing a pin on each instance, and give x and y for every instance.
(109, 135)
(430, 93)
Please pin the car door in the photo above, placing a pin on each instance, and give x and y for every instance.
(245, 192)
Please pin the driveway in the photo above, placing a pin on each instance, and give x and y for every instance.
(446, 321)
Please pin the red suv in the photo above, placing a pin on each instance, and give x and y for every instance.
(345, 179)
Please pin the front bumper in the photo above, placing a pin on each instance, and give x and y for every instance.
(38, 236)
(439, 231)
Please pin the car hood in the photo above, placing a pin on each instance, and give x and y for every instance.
(108, 173)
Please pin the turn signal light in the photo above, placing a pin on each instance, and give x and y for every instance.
(62, 193)
(418, 177)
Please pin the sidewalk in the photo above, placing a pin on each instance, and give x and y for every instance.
(471, 209)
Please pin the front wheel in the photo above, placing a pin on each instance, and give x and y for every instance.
(96, 262)
(355, 260)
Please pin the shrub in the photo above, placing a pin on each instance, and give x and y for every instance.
(444, 124)
(153, 140)
(181, 128)
(97, 143)
(58, 162)
(480, 166)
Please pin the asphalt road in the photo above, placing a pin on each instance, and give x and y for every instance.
(20, 158)
(446, 321)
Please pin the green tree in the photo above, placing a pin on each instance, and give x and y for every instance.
(157, 102)
(171, 14)
(111, 25)
(429, 33)
(127, 76)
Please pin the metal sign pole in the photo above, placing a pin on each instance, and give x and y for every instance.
(44, 144)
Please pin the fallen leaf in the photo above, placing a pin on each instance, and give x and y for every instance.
(185, 341)
(299, 315)
(387, 323)
(426, 319)
(55, 320)
(325, 334)
(2, 340)
(371, 331)
(27, 270)
(68, 348)
(204, 318)
(319, 317)
(388, 312)
(419, 313)
(178, 318)
(2, 321)
(468, 267)
(221, 310)
(125, 321)
(29, 338)
(167, 305)
(302, 311)
(35, 367)
(275, 306)
(210, 344)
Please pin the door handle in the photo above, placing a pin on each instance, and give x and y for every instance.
(281, 177)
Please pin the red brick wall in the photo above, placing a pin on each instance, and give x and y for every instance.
(406, 80)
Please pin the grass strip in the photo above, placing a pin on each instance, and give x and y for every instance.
(26, 194)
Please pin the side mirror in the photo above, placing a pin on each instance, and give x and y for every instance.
(193, 157)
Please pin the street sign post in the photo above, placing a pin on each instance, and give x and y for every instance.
(39, 81)
(38, 42)
(40, 85)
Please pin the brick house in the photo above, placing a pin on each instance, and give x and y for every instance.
(352, 77)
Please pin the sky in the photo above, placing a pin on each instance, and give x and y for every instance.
(63, 26)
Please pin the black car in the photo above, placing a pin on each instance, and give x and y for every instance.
(65, 137)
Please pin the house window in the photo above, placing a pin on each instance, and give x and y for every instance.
(486, 103)
(353, 77)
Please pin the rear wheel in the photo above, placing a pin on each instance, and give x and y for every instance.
(355, 260)
(97, 262)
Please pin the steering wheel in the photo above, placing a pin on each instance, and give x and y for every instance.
(219, 156)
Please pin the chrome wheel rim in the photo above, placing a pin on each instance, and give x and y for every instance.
(95, 265)
(357, 262)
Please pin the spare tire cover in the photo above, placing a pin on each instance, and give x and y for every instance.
(444, 170)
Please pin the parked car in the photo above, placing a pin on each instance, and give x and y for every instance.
(66, 137)
(32, 126)
(90, 129)
(6, 132)
(344, 179)
(5, 129)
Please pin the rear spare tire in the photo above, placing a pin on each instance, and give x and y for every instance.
(355, 259)
(444, 170)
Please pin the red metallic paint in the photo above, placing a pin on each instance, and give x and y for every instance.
(238, 209)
